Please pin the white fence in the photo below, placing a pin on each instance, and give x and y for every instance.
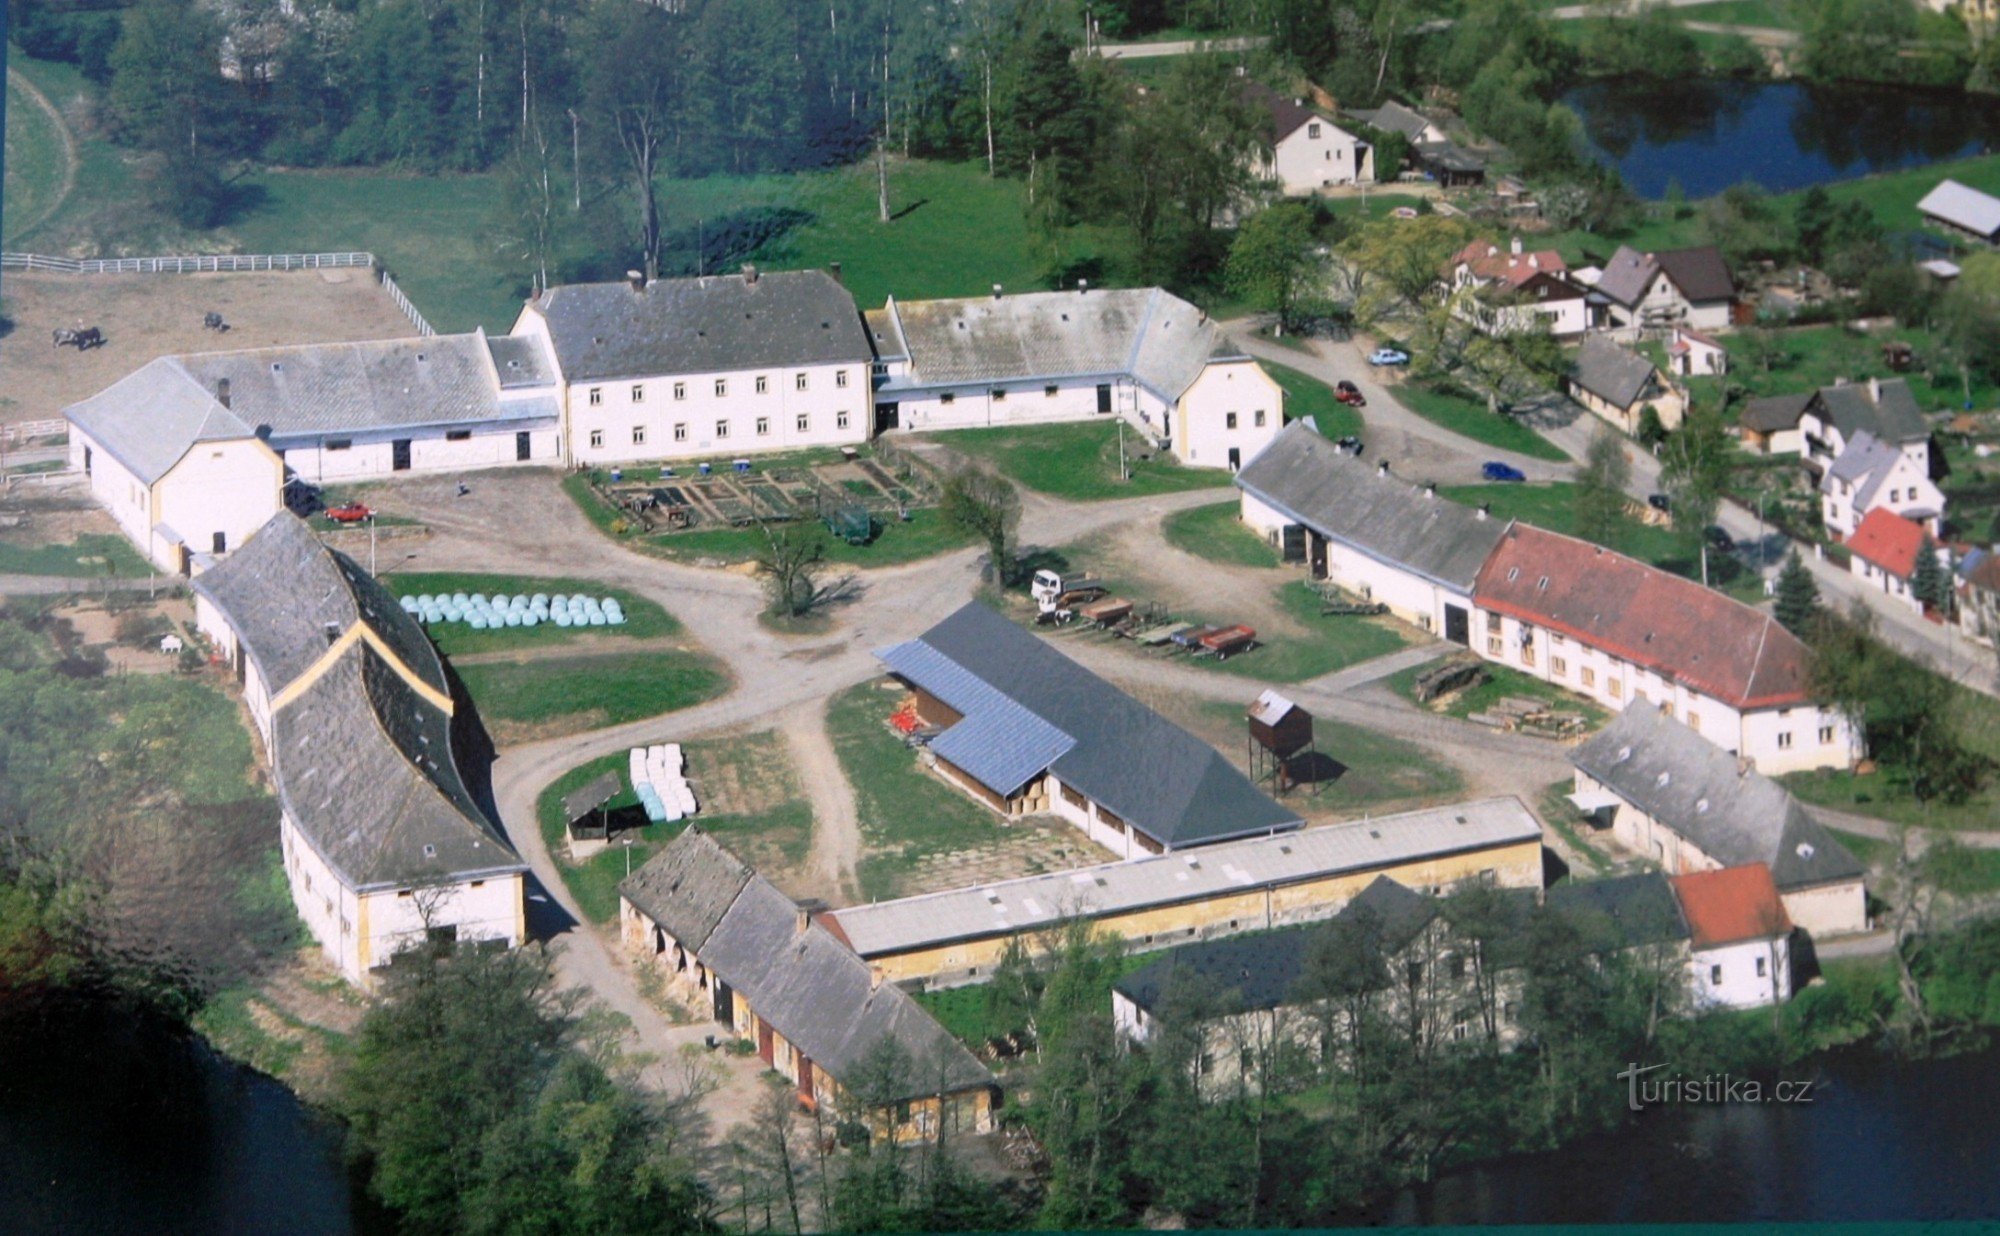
(27, 431)
(215, 263)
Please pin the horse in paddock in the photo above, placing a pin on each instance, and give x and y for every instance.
(80, 338)
(213, 321)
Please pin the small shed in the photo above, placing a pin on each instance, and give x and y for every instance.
(584, 808)
(1280, 733)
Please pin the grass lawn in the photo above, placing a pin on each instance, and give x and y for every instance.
(90, 555)
(104, 188)
(1885, 794)
(1501, 683)
(1822, 354)
(1773, 14)
(777, 832)
(603, 690)
(923, 536)
(1561, 815)
(34, 161)
(1553, 506)
(1377, 771)
(1079, 461)
(906, 812)
(643, 618)
(1218, 534)
(1308, 398)
(1472, 420)
(1332, 644)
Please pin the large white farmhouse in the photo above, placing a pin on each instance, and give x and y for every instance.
(385, 848)
(721, 366)
(1144, 355)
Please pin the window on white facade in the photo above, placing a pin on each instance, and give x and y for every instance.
(1694, 720)
(1494, 646)
(1588, 676)
(1825, 735)
(680, 390)
(1051, 390)
(458, 435)
(722, 429)
(339, 444)
(947, 397)
(1762, 968)
(840, 420)
(1259, 418)
(1558, 667)
(1617, 689)
(597, 437)
(596, 395)
(721, 387)
(999, 396)
(1312, 131)
(840, 378)
(638, 392)
(1229, 420)
(763, 425)
(1785, 741)
(799, 381)
(805, 423)
(763, 384)
(1715, 976)
(638, 435)
(680, 431)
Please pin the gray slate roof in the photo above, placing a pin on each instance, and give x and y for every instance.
(1031, 707)
(1885, 409)
(714, 324)
(361, 761)
(1150, 335)
(1621, 912)
(1700, 274)
(1774, 413)
(1864, 464)
(1963, 206)
(808, 985)
(1385, 517)
(1393, 117)
(295, 395)
(1734, 817)
(1260, 970)
(1614, 374)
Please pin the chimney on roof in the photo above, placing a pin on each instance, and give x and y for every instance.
(222, 391)
(996, 291)
(1485, 509)
(874, 977)
(1875, 390)
(803, 922)
(749, 273)
(1382, 469)
(1514, 243)
(833, 268)
(637, 278)
(1430, 489)
(1534, 260)
(332, 633)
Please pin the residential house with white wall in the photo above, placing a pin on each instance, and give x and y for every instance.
(1671, 797)
(385, 847)
(1143, 355)
(1883, 552)
(1617, 385)
(1623, 633)
(1872, 475)
(1504, 291)
(1673, 287)
(1979, 595)
(1369, 531)
(716, 366)
(1739, 937)
(1691, 354)
(1300, 149)
(1024, 729)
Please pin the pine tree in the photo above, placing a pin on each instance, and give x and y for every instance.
(1798, 597)
(1930, 581)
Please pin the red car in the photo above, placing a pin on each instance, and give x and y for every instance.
(352, 513)
(1349, 394)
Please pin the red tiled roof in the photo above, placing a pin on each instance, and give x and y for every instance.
(1672, 626)
(1490, 261)
(1732, 905)
(1889, 541)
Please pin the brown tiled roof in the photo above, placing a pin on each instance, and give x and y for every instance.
(1672, 626)
(1732, 905)
(1889, 541)
(1490, 262)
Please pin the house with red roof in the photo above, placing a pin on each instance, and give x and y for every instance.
(1621, 633)
(1739, 937)
(1506, 290)
(1884, 550)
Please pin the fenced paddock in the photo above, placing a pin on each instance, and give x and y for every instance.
(154, 306)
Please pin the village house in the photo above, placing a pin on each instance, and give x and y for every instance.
(1691, 354)
(1670, 796)
(1374, 534)
(1871, 475)
(1819, 425)
(1503, 291)
(1979, 595)
(1674, 287)
(1884, 551)
(728, 365)
(1143, 355)
(385, 849)
(1024, 729)
(1620, 632)
(1963, 210)
(1300, 149)
(190, 454)
(1617, 385)
(748, 957)
(951, 938)
(1739, 938)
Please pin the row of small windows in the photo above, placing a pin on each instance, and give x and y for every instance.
(800, 381)
(762, 429)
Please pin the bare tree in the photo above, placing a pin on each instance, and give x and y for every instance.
(984, 505)
(791, 561)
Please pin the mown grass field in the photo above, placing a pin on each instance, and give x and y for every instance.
(1308, 398)
(101, 198)
(1217, 534)
(905, 811)
(587, 692)
(1471, 419)
(1079, 461)
(643, 618)
(92, 554)
(35, 162)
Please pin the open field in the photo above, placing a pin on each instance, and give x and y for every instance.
(1308, 398)
(144, 316)
(1079, 461)
(643, 618)
(545, 698)
(1472, 420)
(37, 163)
(750, 800)
(1217, 534)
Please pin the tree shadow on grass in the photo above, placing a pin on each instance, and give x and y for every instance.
(715, 246)
(910, 209)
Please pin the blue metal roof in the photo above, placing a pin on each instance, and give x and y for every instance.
(999, 743)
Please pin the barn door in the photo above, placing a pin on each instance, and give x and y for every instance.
(1294, 538)
(399, 455)
(888, 416)
(805, 1078)
(725, 1006)
(1457, 626)
(765, 1050)
(1103, 398)
(1317, 544)
(524, 447)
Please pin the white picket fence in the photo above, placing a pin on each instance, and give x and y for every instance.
(216, 263)
(28, 431)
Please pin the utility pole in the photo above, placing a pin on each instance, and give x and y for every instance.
(371, 543)
(1123, 475)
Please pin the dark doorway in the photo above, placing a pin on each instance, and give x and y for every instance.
(1235, 458)
(725, 1002)
(765, 1049)
(888, 416)
(219, 543)
(1294, 538)
(1317, 544)
(1457, 625)
(1103, 398)
(524, 448)
(399, 455)
(86, 461)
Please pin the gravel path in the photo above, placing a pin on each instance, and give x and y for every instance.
(836, 824)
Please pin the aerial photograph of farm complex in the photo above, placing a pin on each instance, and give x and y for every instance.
(658, 616)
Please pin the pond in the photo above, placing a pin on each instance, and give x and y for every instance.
(115, 1121)
(1709, 135)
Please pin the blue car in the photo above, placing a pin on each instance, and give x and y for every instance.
(1494, 470)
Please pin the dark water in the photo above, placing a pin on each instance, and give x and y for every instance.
(1709, 135)
(111, 1122)
(1881, 1141)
